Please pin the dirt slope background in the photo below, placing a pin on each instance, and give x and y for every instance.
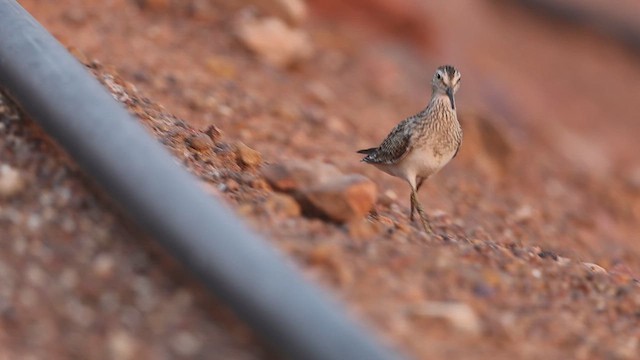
(536, 252)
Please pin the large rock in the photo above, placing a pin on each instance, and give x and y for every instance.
(295, 175)
(322, 190)
(343, 199)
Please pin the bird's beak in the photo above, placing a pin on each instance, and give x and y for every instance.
(450, 95)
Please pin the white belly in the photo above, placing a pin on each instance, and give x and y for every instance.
(419, 163)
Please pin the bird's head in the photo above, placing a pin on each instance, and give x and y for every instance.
(446, 81)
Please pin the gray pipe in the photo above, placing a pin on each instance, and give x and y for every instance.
(111, 146)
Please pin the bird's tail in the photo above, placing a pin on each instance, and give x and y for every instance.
(367, 151)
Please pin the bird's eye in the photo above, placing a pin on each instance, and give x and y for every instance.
(438, 76)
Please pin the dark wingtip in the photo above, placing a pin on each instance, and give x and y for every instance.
(366, 151)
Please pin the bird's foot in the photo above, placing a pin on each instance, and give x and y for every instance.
(415, 205)
(425, 223)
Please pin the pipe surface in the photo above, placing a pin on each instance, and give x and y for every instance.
(111, 146)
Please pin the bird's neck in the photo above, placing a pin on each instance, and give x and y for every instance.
(440, 102)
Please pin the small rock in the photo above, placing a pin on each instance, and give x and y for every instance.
(11, 182)
(595, 268)
(523, 214)
(282, 204)
(536, 273)
(274, 41)
(246, 156)
(295, 175)
(200, 142)
(296, 10)
(213, 132)
(293, 11)
(342, 199)
(460, 315)
(122, 345)
(562, 261)
(103, 266)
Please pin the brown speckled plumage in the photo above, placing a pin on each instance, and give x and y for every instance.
(420, 145)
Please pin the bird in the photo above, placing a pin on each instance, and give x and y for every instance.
(422, 144)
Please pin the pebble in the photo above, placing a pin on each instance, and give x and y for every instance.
(122, 345)
(536, 273)
(11, 181)
(246, 156)
(103, 266)
(295, 10)
(594, 268)
(459, 315)
(200, 142)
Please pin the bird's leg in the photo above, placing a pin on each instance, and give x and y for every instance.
(412, 207)
(420, 181)
(423, 217)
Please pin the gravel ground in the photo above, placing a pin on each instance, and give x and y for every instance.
(535, 253)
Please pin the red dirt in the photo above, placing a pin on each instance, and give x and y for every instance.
(547, 183)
